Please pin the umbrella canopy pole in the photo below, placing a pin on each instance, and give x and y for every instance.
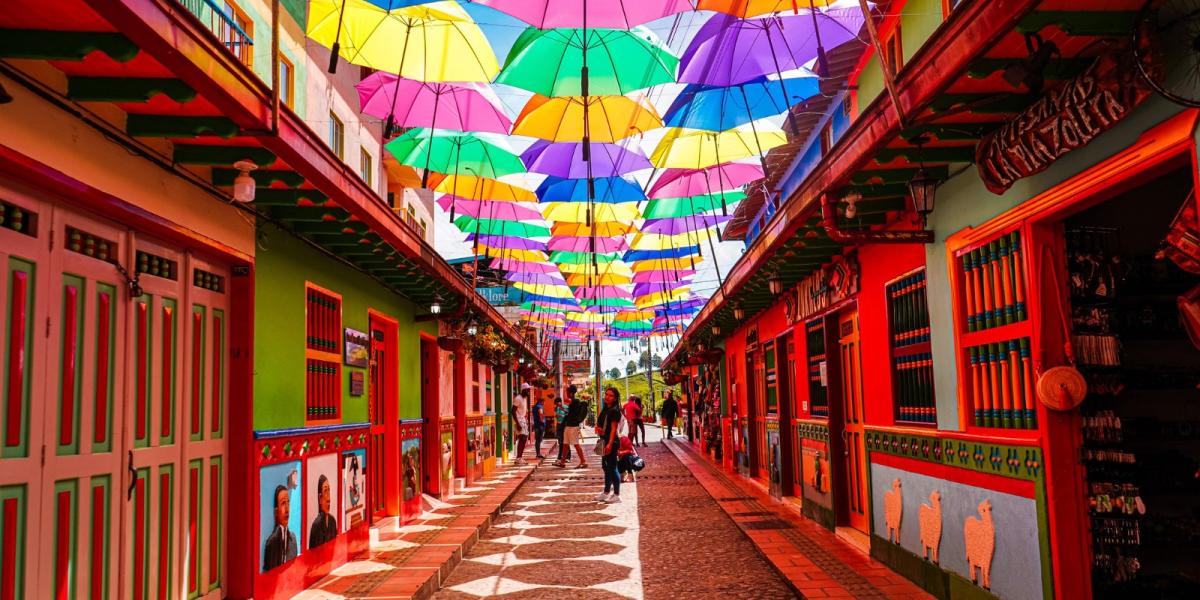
(779, 72)
(337, 36)
(433, 140)
(711, 245)
(822, 60)
(390, 125)
(762, 156)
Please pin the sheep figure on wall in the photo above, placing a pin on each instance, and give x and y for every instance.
(893, 511)
(930, 517)
(979, 536)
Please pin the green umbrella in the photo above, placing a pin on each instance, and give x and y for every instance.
(606, 302)
(666, 208)
(549, 61)
(498, 227)
(581, 258)
(454, 152)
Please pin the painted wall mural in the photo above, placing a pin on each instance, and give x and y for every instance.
(447, 458)
(321, 499)
(814, 463)
(410, 452)
(354, 484)
(989, 536)
(893, 511)
(279, 514)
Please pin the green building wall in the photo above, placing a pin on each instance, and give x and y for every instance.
(919, 20)
(283, 264)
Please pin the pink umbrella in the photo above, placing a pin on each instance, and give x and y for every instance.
(676, 183)
(602, 291)
(584, 244)
(520, 266)
(490, 209)
(612, 14)
(410, 103)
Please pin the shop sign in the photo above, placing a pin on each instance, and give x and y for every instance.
(822, 289)
(1063, 120)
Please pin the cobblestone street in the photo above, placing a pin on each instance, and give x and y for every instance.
(667, 539)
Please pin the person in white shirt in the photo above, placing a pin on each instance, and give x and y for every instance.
(519, 412)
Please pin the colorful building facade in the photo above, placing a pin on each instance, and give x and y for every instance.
(998, 407)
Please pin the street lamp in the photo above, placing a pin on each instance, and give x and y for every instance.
(716, 330)
(436, 306)
(922, 187)
(739, 313)
(775, 284)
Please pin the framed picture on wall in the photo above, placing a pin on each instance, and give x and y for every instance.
(357, 345)
(279, 510)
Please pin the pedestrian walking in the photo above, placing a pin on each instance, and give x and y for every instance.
(625, 456)
(577, 411)
(538, 420)
(519, 413)
(633, 414)
(606, 426)
(640, 423)
(560, 430)
(670, 409)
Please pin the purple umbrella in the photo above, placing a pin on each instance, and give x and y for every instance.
(681, 183)
(565, 159)
(613, 14)
(410, 103)
(508, 264)
(645, 289)
(661, 276)
(679, 225)
(728, 50)
(511, 242)
(584, 244)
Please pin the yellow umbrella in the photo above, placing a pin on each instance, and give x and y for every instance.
(560, 119)
(580, 279)
(576, 212)
(657, 298)
(586, 317)
(552, 291)
(683, 148)
(615, 268)
(414, 42)
(509, 253)
(481, 188)
(635, 315)
(602, 229)
(666, 264)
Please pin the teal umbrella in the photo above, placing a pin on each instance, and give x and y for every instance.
(550, 62)
(500, 227)
(454, 152)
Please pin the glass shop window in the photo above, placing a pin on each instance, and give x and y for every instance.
(911, 357)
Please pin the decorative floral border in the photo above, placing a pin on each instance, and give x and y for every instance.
(291, 444)
(1018, 462)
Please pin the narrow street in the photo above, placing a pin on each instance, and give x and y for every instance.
(666, 539)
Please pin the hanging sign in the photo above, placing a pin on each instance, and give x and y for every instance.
(825, 287)
(1060, 121)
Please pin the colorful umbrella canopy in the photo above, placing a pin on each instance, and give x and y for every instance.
(588, 244)
(615, 14)
(728, 50)
(548, 61)
(681, 225)
(490, 209)
(513, 243)
(665, 208)
(607, 189)
(565, 159)
(467, 186)
(697, 149)
(719, 108)
(411, 103)
(410, 41)
(661, 276)
(677, 252)
(453, 152)
(520, 266)
(561, 119)
(498, 227)
(674, 183)
(754, 8)
(579, 258)
(576, 279)
(577, 212)
(600, 228)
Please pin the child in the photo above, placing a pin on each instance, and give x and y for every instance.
(625, 455)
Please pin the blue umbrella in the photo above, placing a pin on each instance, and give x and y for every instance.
(607, 189)
(680, 252)
(678, 312)
(716, 108)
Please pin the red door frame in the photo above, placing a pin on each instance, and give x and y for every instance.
(241, 539)
(387, 428)
(431, 416)
(784, 363)
(460, 414)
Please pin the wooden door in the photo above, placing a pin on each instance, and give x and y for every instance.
(383, 451)
(788, 443)
(753, 414)
(855, 481)
(431, 413)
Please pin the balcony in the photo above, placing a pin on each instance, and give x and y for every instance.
(228, 23)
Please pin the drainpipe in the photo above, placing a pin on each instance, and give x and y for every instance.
(829, 222)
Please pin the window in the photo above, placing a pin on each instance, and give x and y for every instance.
(323, 355)
(994, 332)
(826, 138)
(391, 199)
(818, 388)
(366, 167)
(912, 359)
(337, 136)
(422, 227)
(287, 84)
(893, 52)
(236, 31)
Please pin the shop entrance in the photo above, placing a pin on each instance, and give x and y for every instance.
(853, 471)
(431, 415)
(383, 460)
(1141, 418)
(789, 454)
(754, 413)
(114, 412)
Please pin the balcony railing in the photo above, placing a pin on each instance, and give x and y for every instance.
(222, 21)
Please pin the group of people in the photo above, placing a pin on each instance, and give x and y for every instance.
(563, 423)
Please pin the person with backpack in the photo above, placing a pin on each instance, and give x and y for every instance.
(670, 409)
(577, 412)
(560, 430)
(538, 421)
